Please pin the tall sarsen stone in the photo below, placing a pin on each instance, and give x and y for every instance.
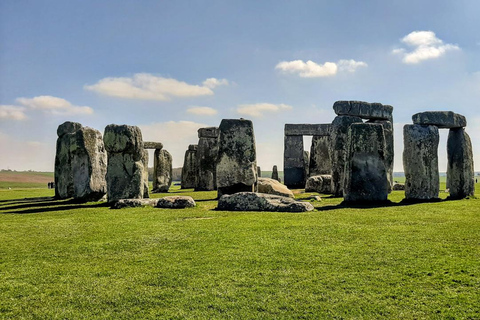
(460, 169)
(162, 171)
(189, 169)
(206, 158)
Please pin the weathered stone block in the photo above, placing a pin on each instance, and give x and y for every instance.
(293, 162)
(363, 110)
(146, 192)
(320, 162)
(210, 132)
(389, 151)
(441, 119)
(251, 201)
(176, 202)
(162, 171)
(319, 183)
(64, 186)
(207, 152)
(460, 168)
(271, 186)
(275, 173)
(152, 145)
(189, 169)
(307, 129)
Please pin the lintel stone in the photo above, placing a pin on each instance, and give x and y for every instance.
(364, 110)
(152, 145)
(307, 129)
(440, 119)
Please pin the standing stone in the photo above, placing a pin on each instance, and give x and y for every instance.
(64, 186)
(162, 171)
(420, 162)
(125, 170)
(306, 163)
(189, 169)
(207, 152)
(320, 162)
(338, 149)
(146, 187)
(293, 162)
(460, 169)
(237, 157)
(365, 168)
(89, 165)
(259, 172)
(275, 173)
(389, 151)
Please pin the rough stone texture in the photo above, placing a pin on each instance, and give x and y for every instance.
(176, 202)
(251, 201)
(152, 145)
(320, 162)
(319, 183)
(363, 110)
(89, 165)
(460, 169)
(271, 186)
(64, 187)
(275, 173)
(134, 203)
(293, 162)
(389, 150)
(399, 186)
(125, 170)
(207, 152)
(365, 169)
(420, 162)
(338, 149)
(259, 172)
(162, 171)
(307, 129)
(441, 119)
(306, 163)
(189, 169)
(146, 192)
(237, 157)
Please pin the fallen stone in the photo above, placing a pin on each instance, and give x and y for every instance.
(251, 201)
(441, 119)
(363, 110)
(271, 186)
(399, 187)
(134, 203)
(176, 202)
(460, 168)
(319, 183)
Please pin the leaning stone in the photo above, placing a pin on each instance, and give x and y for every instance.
(399, 186)
(176, 202)
(319, 183)
(162, 171)
(441, 119)
(152, 145)
(365, 169)
(206, 156)
(275, 173)
(363, 110)
(338, 149)
(189, 169)
(271, 186)
(251, 201)
(134, 203)
(460, 169)
(237, 157)
(89, 165)
(64, 186)
(420, 162)
(293, 162)
(320, 162)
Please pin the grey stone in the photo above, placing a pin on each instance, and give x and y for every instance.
(338, 149)
(275, 173)
(152, 145)
(237, 157)
(259, 172)
(460, 168)
(189, 169)
(271, 186)
(365, 169)
(162, 171)
(293, 162)
(320, 162)
(134, 203)
(307, 129)
(420, 162)
(441, 119)
(89, 165)
(176, 202)
(64, 186)
(363, 110)
(306, 164)
(389, 151)
(125, 170)
(399, 186)
(251, 201)
(319, 183)
(146, 193)
(207, 152)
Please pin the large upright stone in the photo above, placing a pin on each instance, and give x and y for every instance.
(125, 170)
(64, 186)
(293, 162)
(162, 171)
(306, 164)
(189, 169)
(441, 119)
(275, 173)
(320, 162)
(420, 162)
(460, 169)
(206, 156)
(389, 150)
(237, 157)
(146, 192)
(365, 167)
(338, 149)
(89, 165)
(364, 110)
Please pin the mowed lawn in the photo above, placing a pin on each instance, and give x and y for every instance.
(62, 260)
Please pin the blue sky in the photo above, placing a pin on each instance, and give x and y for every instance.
(171, 67)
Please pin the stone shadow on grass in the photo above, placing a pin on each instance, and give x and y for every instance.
(34, 205)
(380, 204)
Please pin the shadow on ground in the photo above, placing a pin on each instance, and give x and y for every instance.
(44, 204)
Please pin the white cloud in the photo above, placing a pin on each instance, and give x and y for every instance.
(146, 86)
(257, 110)
(54, 105)
(203, 111)
(312, 69)
(350, 65)
(425, 45)
(12, 112)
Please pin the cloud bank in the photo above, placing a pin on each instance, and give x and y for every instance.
(258, 109)
(202, 111)
(10, 112)
(312, 69)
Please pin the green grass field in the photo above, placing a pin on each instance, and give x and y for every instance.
(62, 260)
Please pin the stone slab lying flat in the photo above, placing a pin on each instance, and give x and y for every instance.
(176, 202)
(133, 203)
(251, 201)
(272, 186)
(364, 110)
(441, 119)
(307, 129)
(152, 145)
